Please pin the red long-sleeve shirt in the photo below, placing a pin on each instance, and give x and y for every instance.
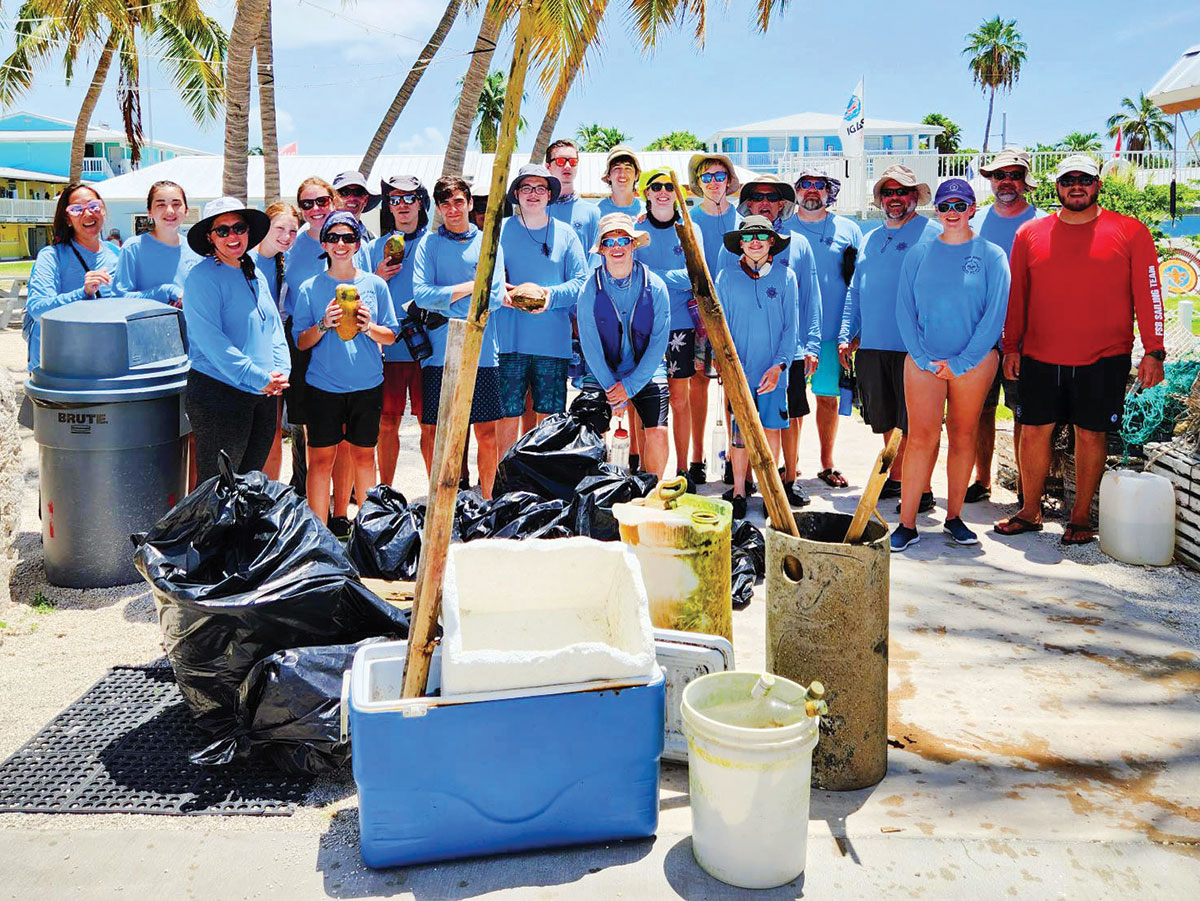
(1075, 289)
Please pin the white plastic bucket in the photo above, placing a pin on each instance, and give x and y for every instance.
(1137, 517)
(749, 786)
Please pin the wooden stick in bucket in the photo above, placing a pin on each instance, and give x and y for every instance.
(870, 496)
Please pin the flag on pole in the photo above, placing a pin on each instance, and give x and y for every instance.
(854, 123)
(289, 149)
(1117, 149)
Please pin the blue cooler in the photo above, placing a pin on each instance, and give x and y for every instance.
(468, 775)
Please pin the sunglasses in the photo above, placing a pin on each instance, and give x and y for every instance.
(353, 191)
(755, 236)
(343, 237)
(718, 177)
(661, 186)
(310, 202)
(813, 184)
(1008, 175)
(402, 199)
(1083, 179)
(896, 192)
(622, 241)
(534, 190)
(223, 231)
(959, 206)
(566, 162)
(78, 209)
(771, 197)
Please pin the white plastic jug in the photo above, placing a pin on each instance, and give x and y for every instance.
(618, 448)
(1137, 517)
(749, 784)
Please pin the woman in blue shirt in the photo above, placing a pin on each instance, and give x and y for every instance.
(950, 307)
(77, 266)
(155, 265)
(239, 356)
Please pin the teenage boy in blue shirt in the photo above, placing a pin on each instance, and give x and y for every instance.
(562, 159)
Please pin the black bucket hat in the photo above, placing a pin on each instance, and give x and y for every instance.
(755, 225)
(259, 222)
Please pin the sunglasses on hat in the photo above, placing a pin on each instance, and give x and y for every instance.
(310, 202)
(959, 206)
(1007, 175)
(718, 177)
(621, 241)
(403, 199)
(1082, 179)
(814, 184)
(661, 186)
(896, 192)
(747, 237)
(223, 231)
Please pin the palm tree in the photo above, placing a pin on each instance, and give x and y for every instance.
(472, 86)
(489, 108)
(1080, 142)
(1143, 125)
(996, 53)
(950, 138)
(581, 38)
(676, 140)
(188, 42)
(265, 54)
(598, 139)
(247, 23)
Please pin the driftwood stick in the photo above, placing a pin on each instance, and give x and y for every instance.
(870, 496)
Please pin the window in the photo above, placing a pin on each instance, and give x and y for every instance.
(758, 145)
(794, 144)
(873, 143)
(731, 145)
(902, 142)
(822, 144)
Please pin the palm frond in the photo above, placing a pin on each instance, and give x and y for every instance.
(195, 48)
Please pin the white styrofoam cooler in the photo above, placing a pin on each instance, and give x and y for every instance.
(524, 614)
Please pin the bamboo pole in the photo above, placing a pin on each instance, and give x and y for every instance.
(458, 386)
(741, 398)
(870, 495)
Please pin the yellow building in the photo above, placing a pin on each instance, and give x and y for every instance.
(27, 201)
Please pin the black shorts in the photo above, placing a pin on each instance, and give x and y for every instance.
(797, 394)
(881, 386)
(485, 404)
(1091, 397)
(294, 395)
(681, 354)
(993, 396)
(651, 403)
(352, 416)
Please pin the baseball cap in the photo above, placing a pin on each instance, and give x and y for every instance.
(954, 189)
(1077, 162)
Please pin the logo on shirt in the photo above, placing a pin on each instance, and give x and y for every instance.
(828, 242)
(772, 293)
(678, 251)
(971, 265)
(902, 246)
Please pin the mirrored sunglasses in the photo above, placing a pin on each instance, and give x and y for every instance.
(78, 209)
(565, 162)
(814, 184)
(747, 237)
(620, 241)
(403, 199)
(959, 206)
(718, 177)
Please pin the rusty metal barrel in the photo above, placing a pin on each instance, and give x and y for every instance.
(827, 619)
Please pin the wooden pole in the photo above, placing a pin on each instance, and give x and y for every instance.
(741, 398)
(870, 496)
(458, 386)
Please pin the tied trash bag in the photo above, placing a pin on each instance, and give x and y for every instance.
(385, 540)
(240, 569)
(519, 514)
(748, 556)
(552, 459)
(591, 510)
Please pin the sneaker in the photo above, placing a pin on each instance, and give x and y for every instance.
(796, 494)
(958, 532)
(727, 477)
(635, 463)
(891, 488)
(926, 503)
(903, 537)
(976, 493)
(739, 507)
(683, 474)
(339, 526)
(698, 473)
(464, 484)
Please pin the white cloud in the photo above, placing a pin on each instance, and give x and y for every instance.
(428, 140)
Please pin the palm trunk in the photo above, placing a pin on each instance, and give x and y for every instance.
(242, 37)
(410, 85)
(79, 139)
(266, 105)
(468, 101)
(987, 131)
(566, 78)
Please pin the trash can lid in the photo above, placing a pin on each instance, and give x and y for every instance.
(110, 350)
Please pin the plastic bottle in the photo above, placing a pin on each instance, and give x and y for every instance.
(719, 441)
(618, 449)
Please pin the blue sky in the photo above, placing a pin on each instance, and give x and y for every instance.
(338, 66)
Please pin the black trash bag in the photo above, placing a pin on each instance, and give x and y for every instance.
(748, 558)
(592, 409)
(240, 569)
(521, 514)
(470, 508)
(289, 710)
(591, 509)
(552, 459)
(742, 579)
(385, 540)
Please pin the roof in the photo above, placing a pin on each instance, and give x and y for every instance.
(826, 123)
(26, 175)
(1179, 90)
(201, 175)
(23, 126)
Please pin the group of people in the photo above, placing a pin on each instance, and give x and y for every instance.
(932, 314)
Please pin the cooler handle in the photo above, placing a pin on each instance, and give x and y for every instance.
(344, 736)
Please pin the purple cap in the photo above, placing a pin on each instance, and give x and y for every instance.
(954, 189)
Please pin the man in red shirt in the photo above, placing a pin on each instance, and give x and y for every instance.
(1078, 279)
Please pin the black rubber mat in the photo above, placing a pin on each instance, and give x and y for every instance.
(123, 748)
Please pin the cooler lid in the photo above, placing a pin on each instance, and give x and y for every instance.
(110, 350)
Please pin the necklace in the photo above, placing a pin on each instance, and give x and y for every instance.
(824, 227)
(545, 235)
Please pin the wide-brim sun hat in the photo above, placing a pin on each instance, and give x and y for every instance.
(833, 185)
(1077, 162)
(1011, 157)
(698, 160)
(534, 170)
(775, 183)
(755, 225)
(618, 153)
(904, 177)
(353, 177)
(259, 222)
(620, 222)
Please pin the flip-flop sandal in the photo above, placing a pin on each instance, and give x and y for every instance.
(1016, 525)
(832, 478)
(1072, 531)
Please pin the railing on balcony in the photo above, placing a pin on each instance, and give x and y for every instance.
(96, 168)
(13, 209)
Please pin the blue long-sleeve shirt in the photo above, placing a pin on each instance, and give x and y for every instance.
(829, 239)
(762, 315)
(400, 285)
(266, 266)
(57, 280)
(151, 269)
(663, 255)
(871, 303)
(633, 374)
(439, 264)
(545, 334)
(606, 206)
(304, 261)
(581, 215)
(338, 366)
(951, 302)
(1002, 230)
(810, 302)
(712, 229)
(235, 334)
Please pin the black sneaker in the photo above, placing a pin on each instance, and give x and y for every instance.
(976, 493)
(739, 507)
(698, 473)
(959, 533)
(796, 494)
(903, 538)
(751, 488)
(635, 463)
(464, 484)
(683, 474)
(926, 503)
(727, 477)
(340, 527)
(891, 488)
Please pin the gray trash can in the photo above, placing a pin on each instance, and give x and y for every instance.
(108, 419)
